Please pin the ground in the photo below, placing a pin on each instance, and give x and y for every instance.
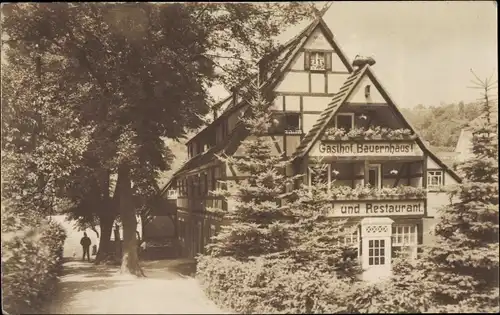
(88, 289)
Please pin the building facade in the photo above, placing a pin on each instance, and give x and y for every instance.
(330, 112)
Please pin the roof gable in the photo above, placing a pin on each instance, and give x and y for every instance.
(327, 115)
(350, 86)
(285, 55)
(307, 37)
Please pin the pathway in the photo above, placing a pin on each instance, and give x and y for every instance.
(89, 289)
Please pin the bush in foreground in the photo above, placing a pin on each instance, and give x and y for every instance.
(273, 286)
(31, 263)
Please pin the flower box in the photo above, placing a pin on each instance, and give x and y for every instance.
(372, 133)
(369, 193)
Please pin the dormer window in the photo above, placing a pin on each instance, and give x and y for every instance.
(317, 61)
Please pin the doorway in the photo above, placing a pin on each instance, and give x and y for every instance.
(376, 244)
(374, 175)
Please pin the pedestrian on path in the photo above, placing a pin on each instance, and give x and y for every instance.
(86, 242)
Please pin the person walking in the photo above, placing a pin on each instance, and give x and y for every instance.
(85, 242)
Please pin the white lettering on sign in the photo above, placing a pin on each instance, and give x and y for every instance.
(367, 148)
(377, 208)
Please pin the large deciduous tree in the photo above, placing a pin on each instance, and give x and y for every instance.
(129, 74)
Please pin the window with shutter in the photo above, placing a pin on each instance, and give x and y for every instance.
(328, 61)
(307, 60)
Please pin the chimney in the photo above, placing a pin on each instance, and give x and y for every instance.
(360, 61)
(214, 110)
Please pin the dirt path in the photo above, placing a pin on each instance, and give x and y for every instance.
(89, 289)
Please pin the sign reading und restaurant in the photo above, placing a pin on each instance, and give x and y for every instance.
(328, 148)
(359, 208)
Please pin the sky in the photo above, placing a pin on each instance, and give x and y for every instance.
(424, 50)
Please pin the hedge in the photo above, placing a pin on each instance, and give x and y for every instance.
(31, 263)
(273, 287)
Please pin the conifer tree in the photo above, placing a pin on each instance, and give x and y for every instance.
(321, 242)
(260, 220)
(459, 273)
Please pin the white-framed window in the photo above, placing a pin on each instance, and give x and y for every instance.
(317, 61)
(404, 240)
(377, 252)
(172, 194)
(344, 121)
(435, 180)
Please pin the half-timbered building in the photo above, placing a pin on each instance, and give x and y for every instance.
(329, 112)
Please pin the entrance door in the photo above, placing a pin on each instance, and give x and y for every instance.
(376, 248)
(376, 258)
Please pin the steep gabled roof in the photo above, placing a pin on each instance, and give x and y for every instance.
(419, 139)
(340, 99)
(284, 57)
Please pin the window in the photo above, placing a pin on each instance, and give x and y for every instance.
(374, 178)
(367, 91)
(434, 180)
(404, 240)
(317, 61)
(344, 121)
(350, 237)
(292, 122)
(172, 194)
(376, 252)
(286, 123)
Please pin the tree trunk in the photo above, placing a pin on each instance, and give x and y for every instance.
(105, 249)
(130, 258)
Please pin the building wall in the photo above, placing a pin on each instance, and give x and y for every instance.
(308, 94)
(160, 227)
(358, 94)
(298, 80)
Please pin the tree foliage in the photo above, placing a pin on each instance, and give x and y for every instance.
(459, 273)
(259, 218)
(125, 76)
(441, 124)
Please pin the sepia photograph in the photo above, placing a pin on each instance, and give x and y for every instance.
(249, 157)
